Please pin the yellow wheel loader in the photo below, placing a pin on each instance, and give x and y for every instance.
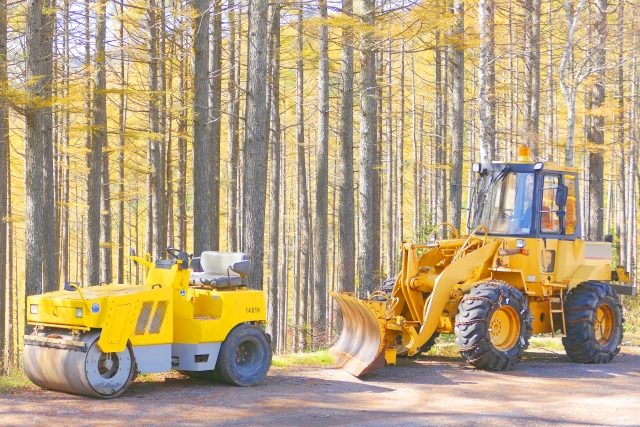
(523, 268)
(202, 321)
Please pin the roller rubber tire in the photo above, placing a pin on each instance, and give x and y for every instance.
(255, 362)
(581, 307)
(473, 327)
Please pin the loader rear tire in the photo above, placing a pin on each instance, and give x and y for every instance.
(493, 326)
(245, 356)
(593, 318)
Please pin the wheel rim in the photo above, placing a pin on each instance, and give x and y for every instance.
(505, 328)
(603, 325)
(247, 353)
(108, 373)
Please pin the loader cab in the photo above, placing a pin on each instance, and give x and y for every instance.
(524, 199)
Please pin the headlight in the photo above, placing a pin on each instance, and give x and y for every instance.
(79, 313)
(33, 309)
(520, 243)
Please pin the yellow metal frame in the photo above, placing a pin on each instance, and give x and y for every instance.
(183, 314)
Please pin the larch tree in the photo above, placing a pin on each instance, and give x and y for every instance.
(595, 129)
(457, 114)
(486, 81)
(201, 157)
(304, 219)
(255, 144)
(320, 230)
(33, 149)
(4, 170)
(154, 139)
(273, 287)
(49, 259)
(569, 82)
(215, 58)
(531, 98)
(346, 208)
(368, 123)
(100, 137)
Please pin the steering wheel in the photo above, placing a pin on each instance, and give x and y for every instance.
(433, 234)
(173, 252)
(467, 243)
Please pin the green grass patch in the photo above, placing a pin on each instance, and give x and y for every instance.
(445, 346)
(545, 342)
(15, 381)
(631, 307)
(314, 359)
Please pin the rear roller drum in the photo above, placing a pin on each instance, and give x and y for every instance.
(92, 373)
(593, 318)
(493, 326)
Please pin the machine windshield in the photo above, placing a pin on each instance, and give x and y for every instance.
(504, 205)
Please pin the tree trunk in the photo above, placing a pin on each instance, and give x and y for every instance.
(274, 177)
(320, 229)
(49, 268)
(486, 79)
(181, 190)
(100, 137)
(595, 135)
(367, 149)
(457, 117)
(621, 200)
(215, 58)
(94, 164)
(5, 303)
(391, 243)
(34, 149)
(548, 139)
(346, 222)
(532, 75)
(122, 127)
(201, 157)
(255, 144)
(232, 132)
(303, 196)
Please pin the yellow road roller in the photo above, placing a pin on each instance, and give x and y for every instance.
(522, 267)
(195, 315)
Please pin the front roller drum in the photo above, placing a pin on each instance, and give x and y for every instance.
(78, 369)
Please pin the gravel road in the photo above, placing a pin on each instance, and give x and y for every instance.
(545, 389)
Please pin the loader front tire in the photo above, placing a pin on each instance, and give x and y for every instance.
(245, 356)
(593, 318)
(493, 326)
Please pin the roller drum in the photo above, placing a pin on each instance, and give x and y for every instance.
(90, 372)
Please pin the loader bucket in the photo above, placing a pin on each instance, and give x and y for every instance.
(361, 346)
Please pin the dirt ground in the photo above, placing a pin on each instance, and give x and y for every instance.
(545, 389)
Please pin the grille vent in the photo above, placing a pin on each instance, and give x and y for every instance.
(143, 318)
(158, 317)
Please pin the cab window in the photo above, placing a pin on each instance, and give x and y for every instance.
(549, 221)
(571, 217)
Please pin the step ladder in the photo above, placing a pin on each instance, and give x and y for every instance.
(555, 296)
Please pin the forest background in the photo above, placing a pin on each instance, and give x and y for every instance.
(315, 136)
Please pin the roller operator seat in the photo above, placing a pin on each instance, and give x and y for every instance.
(221, 270)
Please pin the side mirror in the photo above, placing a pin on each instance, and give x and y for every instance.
(562, 193)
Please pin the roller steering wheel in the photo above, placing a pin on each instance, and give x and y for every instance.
(173, 252)
(467, 243)
(434, 236)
